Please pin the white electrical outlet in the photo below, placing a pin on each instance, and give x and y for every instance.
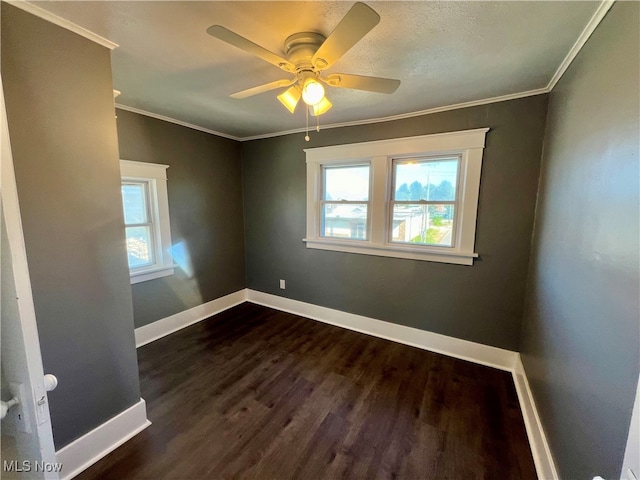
(282, 284)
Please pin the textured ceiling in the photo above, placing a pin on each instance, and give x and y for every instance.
(444, 53)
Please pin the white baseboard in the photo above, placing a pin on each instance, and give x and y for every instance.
(161, 328)
(454, 347)
(540, 450)
(434, 342)
(91, 447)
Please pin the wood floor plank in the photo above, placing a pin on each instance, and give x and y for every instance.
(254, 393)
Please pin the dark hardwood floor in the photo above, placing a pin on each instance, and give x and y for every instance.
(256, 393)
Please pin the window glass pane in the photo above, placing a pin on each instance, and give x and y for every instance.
(426, 180)
(139, 246)
(346, 183)
(423, 224)
(345, 221)
(134, 198)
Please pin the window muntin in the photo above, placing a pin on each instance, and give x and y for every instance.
(424, 198)
(344, 207)
(146, 217)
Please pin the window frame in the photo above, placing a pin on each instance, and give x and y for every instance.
(468, 145)
(154, 175)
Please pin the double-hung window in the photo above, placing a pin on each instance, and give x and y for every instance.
(345, 201)
(146, 218)
(139, 224)
(414, 197)
(423, 201)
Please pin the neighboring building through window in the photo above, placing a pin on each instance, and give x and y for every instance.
(345, 201)
(146, 217)
(414, 197)
(424, 199)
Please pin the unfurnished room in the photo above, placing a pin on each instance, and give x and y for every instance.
(320, 240)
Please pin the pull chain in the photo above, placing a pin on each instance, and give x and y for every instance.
(317, 123)
(306, 137)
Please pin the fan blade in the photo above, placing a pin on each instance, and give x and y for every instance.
(248, 46)
(249, 92)
(356, 24)
(359, 82)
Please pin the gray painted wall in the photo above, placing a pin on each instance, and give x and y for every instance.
(205, 206)
(580, 336)
(59, 103)
(481, 303)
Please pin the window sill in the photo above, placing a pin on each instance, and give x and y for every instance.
(396, 251)
(151, 273)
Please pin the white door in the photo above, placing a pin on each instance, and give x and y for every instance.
(631, 465)
(27, 441)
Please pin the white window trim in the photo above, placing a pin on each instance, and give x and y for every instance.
(156, 176)
(468, 144)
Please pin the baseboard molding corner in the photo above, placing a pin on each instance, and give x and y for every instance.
(162, 328)
(499, 358)
(454, 347)
(434, 342)
(90, 448)
(102, 440)
(545, 466)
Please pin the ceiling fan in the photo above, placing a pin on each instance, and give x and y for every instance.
(308, 54)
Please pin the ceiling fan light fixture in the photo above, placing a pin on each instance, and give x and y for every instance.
(290, 98)
(312, 92)
(308, 55)
(321, 107)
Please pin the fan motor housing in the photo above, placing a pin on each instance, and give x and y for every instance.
(301, 47)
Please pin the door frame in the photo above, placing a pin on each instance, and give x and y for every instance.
(26, 326)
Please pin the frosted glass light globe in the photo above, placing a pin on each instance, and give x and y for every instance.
(312, 92)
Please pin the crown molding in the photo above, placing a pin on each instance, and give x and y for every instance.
(592, 24)
(594, 21)
(61, 22)
(587, 31)
(177, 122)
(445, 108)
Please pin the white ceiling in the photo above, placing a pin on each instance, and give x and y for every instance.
(445, 53)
